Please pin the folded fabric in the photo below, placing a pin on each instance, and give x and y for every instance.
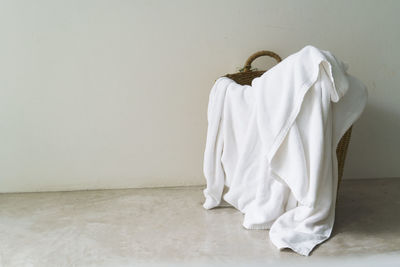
(273, 145)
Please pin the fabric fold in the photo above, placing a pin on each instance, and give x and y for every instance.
(273, 144)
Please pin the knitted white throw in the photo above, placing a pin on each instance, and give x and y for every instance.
(273, 144)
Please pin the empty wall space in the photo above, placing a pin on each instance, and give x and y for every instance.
(100, 94)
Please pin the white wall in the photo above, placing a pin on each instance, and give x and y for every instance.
(113, 94)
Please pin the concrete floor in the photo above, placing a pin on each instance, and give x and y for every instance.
(169, 226)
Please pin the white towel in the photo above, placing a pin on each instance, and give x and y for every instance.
(273, 144)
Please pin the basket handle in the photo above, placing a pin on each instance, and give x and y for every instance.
(247, 65)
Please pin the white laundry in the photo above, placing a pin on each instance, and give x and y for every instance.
(273, 144)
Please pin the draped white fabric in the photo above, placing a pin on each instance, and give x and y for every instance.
(273, 144)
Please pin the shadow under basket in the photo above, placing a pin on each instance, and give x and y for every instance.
(246, 76)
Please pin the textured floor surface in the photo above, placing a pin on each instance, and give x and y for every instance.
(169, 225)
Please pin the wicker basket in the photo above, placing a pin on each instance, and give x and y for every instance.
(246, 75)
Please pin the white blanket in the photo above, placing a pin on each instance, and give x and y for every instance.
(273, 145)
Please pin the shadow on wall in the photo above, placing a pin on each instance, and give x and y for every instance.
(368, 209)
(374, 141)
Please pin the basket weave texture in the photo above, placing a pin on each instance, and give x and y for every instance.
(245, 77)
